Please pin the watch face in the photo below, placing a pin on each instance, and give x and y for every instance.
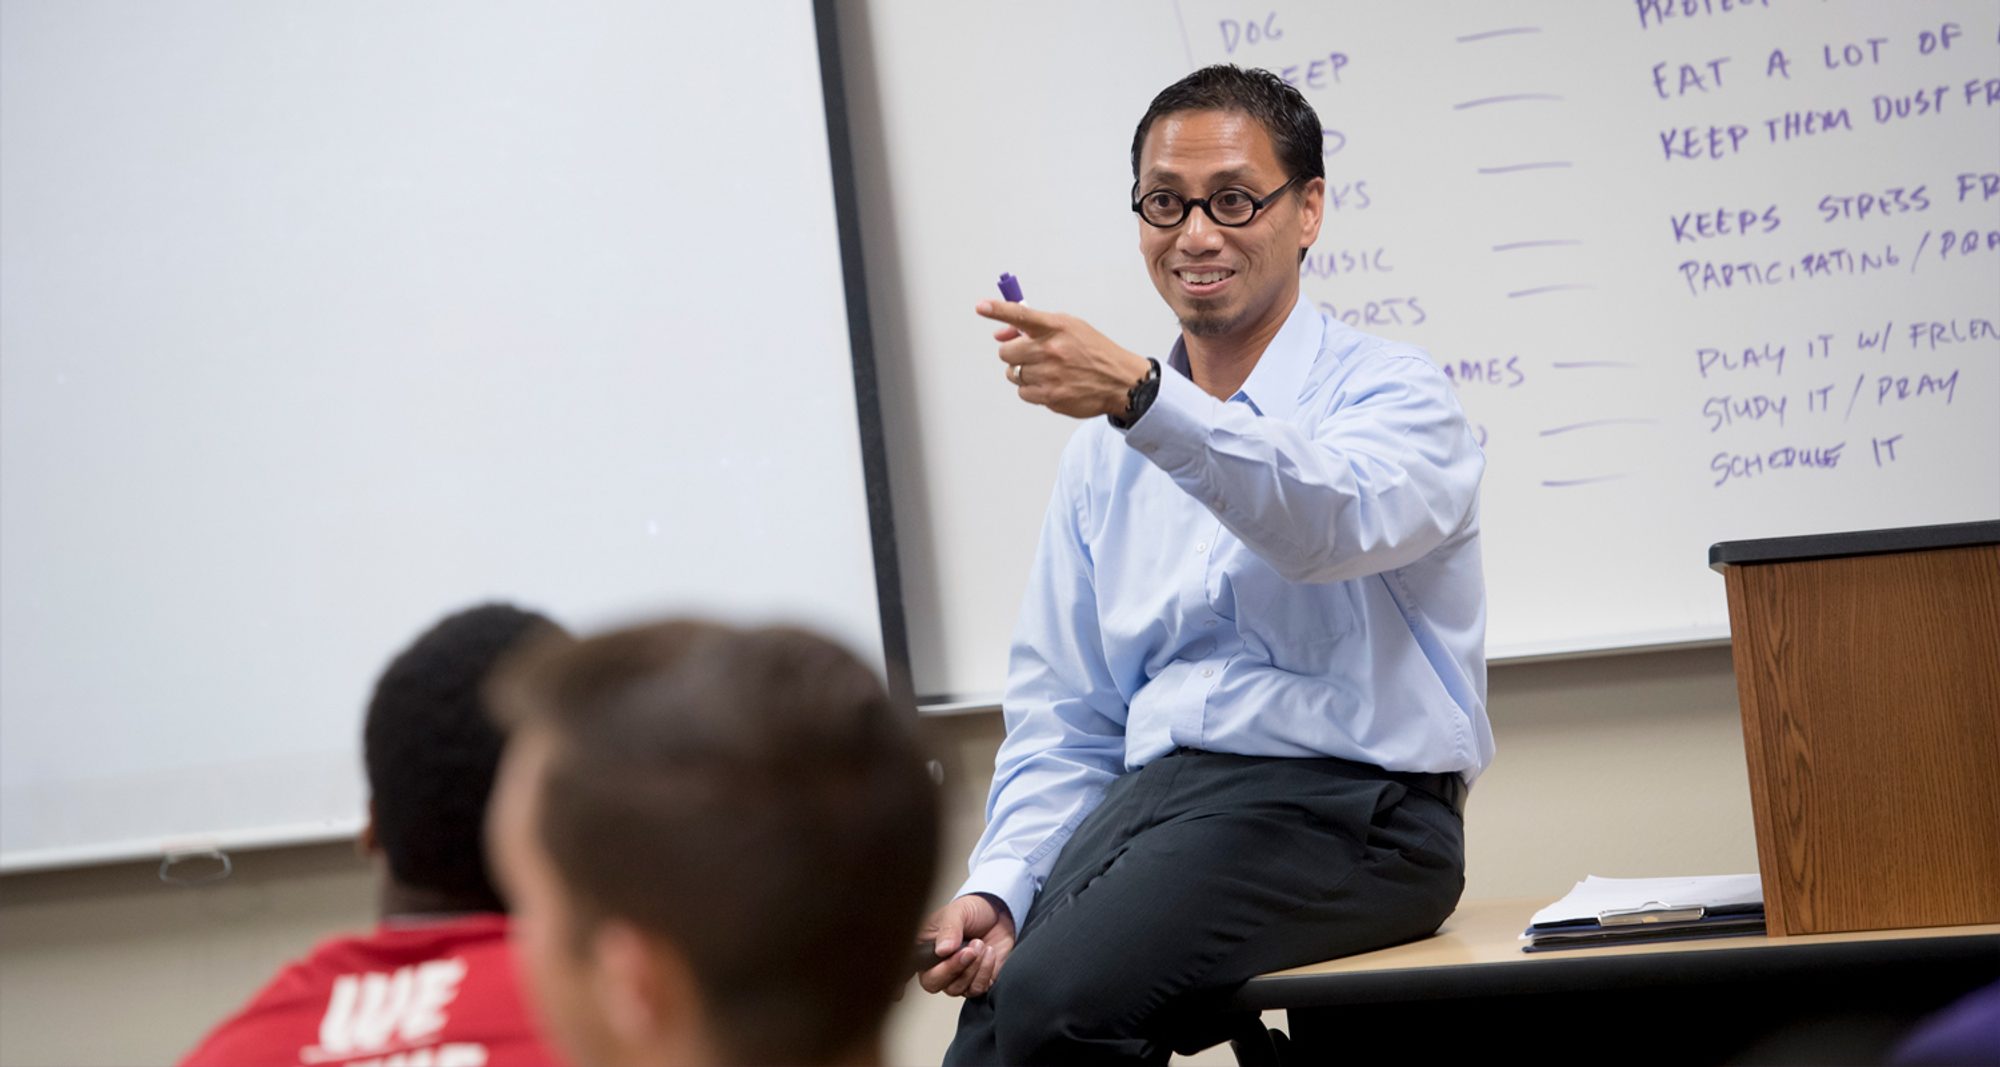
(1139, 397)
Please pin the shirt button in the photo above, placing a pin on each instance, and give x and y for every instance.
(1208, 622)
(1201, 547)
(1208, 672)
(1216, 503)
(1149, 449)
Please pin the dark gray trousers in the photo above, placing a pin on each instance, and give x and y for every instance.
(1198, 872)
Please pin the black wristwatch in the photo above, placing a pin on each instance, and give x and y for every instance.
(1140, 398)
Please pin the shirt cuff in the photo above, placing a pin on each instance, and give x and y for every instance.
(1174, 430)
(1008, 879)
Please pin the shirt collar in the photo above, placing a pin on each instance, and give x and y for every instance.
(1279, 377)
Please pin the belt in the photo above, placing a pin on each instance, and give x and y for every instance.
(1445, 787)
(1448, 788)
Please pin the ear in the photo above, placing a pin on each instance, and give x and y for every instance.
(645, 990)
(1312, 211)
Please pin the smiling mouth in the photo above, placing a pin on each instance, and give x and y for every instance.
(1202, 281)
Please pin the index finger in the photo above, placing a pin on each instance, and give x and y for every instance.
(1020, 316)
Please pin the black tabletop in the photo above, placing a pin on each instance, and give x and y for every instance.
(1760, 960)
(1853, 543)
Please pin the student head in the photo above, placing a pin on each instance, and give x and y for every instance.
(716, 843)
(432, 752)
(1251, 146)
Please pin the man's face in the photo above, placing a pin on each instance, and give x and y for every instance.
(1221, 281)
(546, 947)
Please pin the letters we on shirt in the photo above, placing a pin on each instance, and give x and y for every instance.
(391, 1016)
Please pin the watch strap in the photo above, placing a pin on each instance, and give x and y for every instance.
(1140, 398)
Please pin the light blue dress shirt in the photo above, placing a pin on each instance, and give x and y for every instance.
(1293, 572)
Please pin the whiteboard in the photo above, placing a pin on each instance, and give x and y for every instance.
(1546, 196)
(323, 320)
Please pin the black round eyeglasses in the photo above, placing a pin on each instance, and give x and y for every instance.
(1230, 207)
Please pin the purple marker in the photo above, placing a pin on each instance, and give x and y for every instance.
(1010, 289)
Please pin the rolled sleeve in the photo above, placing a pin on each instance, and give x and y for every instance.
(1008, 880)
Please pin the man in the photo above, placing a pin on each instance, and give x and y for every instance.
(717, 843)
(1247, 689)
(434, 985)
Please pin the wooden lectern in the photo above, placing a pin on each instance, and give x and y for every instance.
(1868, 667)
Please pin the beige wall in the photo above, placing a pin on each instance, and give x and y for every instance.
(1626, 765)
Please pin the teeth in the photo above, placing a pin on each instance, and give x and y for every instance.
(1205, 277)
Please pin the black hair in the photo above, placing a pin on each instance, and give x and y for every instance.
(1294, 126)
(432, 750)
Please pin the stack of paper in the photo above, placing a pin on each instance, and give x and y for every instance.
(1618, 911)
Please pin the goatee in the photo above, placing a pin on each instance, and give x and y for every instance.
(1206, 325)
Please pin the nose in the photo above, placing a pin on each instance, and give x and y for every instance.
(1199, 234)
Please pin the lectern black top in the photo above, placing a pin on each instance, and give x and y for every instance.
(1852, 543)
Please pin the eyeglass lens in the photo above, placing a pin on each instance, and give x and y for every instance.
(1230, 207)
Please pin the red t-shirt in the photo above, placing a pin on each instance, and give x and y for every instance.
(431, 994)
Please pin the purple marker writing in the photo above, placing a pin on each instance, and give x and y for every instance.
(1010, 289)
